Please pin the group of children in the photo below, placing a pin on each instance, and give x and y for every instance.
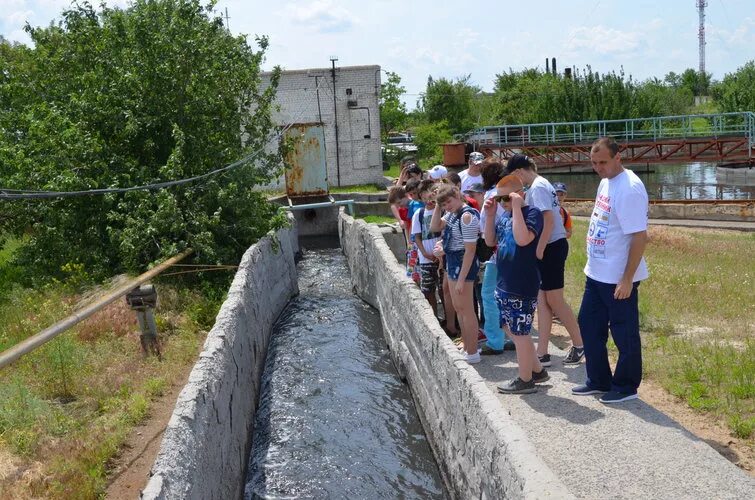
(452, 223)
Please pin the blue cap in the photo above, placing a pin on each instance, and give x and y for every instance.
(560, 187)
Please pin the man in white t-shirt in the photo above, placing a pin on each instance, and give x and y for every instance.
(473, 174)
(616, 240)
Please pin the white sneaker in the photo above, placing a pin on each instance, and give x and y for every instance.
(472, 358)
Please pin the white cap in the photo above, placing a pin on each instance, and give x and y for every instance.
(437, 172)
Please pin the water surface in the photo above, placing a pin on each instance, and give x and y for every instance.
(335, 420)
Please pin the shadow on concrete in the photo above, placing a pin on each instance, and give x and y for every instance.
(561, 408)
(649, 414)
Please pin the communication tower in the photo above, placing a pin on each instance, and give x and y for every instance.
(701, 4)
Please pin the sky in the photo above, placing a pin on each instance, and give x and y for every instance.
(419, 38)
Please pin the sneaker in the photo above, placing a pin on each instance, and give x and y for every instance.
(481, 337)
(575, 356)
(486, 350)
(545, 359)
(472, 358)
(518, 386)
(617, 397)
(585, 390)
(541, 376)
(509, 345)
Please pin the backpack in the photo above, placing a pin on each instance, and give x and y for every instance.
(482, 251)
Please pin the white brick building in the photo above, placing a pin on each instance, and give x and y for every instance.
(306, 97)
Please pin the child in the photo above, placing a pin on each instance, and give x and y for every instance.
(517, 233)
(425, 241)
(461, 227)
(399, 202)
(560, 188)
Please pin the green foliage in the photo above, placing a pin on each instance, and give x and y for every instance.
(429, 138)
(392, 110)
(530, 96)
(690, 80)
(123, 97)
(450, 101)
(736, 92)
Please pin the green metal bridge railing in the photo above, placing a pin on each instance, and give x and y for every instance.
(634, 129)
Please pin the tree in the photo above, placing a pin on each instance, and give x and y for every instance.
(692, 80)
(428, 138)
(736, 92)
(393, 113)
(450, 101)
(113, 98)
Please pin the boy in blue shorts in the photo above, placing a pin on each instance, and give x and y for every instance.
(516, 233)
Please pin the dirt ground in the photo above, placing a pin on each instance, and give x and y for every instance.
(130, 471)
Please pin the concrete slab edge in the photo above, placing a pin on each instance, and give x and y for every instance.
(205, 447)
(481, 452)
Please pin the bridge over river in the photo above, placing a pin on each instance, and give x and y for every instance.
(727, 138)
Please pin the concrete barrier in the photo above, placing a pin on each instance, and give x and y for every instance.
(205, 448)
(481, 452)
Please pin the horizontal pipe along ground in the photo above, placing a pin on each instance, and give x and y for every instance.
(28, 345)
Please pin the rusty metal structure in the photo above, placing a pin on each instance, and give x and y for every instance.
(722, 137)
(307, 174)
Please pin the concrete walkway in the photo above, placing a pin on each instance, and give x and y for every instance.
(629, 450)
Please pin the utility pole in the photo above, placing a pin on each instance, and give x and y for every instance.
(333, 60)
(701, 4)
(227, 26)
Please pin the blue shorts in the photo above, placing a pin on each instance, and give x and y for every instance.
(516, 312)
(453, 266)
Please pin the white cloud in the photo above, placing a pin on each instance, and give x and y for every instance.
(322, 16)
(604, 41)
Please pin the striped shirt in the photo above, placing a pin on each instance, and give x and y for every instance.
(469, 232)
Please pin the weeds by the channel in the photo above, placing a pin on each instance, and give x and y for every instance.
(67, 408)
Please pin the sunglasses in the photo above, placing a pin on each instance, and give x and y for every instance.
(502, 198)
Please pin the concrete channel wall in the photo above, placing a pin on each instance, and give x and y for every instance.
(205, 448)
(481, 452)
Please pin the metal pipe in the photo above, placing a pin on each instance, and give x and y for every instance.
(9, 356)
(335, 120)
(323, 204)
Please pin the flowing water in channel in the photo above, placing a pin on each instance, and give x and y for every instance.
(334, 419)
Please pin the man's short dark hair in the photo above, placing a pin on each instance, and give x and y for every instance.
(454, 178)
(608, 143)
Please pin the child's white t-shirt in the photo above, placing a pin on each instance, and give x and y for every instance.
(423, 230)
(542, 195)
(621, 209)
(467, 179)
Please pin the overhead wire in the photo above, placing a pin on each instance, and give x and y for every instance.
(21, 194)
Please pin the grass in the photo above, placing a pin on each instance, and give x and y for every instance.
(67, 408)
(359, 188)
(377, 219)
(697, 316)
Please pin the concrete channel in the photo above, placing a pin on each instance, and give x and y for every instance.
(546, 445)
